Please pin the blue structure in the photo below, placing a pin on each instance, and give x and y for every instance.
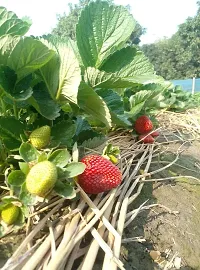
(187, 84)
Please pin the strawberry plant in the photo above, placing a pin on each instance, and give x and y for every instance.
(56, 93)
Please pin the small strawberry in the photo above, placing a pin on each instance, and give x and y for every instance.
(100, 175)
(10, 213)
(155, 134)
(41, 178)
(40, 137)
(146, 138)
(143, 125)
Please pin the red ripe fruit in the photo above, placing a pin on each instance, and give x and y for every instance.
(100, 175)
(155, 134)
(143, 125)
(146, 138)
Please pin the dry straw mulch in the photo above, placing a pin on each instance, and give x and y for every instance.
(68, 235)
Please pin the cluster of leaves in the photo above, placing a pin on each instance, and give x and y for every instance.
(67, 166)
(177, 99)
(178, 56)
(150, 103)
(72, 83)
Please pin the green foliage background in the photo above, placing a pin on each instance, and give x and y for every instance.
(178, 57)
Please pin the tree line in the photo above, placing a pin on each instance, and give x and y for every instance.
(178, 57)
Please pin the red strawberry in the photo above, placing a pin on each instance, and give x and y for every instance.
(146, 138)
(155, 134)
(100, 175)
(143, 125)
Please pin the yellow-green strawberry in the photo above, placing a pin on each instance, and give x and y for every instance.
(40, 137)
(10, 213)
(41, 178)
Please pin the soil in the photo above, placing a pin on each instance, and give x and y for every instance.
(167, 233)
(8, 245)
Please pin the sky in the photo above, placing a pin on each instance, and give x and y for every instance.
(160, 17)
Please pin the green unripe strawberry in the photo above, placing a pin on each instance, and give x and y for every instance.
(10, 214)
(40, 137)
(41, 178)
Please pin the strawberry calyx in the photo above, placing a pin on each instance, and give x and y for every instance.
(111, 153)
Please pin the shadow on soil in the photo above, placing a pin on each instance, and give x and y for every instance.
(162, 230)
(136, 255)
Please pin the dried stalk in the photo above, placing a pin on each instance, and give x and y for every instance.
(29, 238)
(54, 265)
(70, 229)
(122, 215)
(47, 207)
(52, 237)
(107, 261)
(171, 178)
(90, 257)
(45, 246)
(138, 239)
(73, 256)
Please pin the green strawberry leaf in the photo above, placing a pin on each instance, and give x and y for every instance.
(75, 168)
(2, 205)
(64, 190)
(11, 24)
(28, 55)
(20, 220)
(42, 157)
(60, 157)
(10, 132)
(25, 197)
(24, 167)
(28, 152)
(43, 103)
(7, 44)
(2, 231)
(61, 173)
(9, 199)
(94, 142)
(93, 104)
(115, 105)
(16, 178)
(101, 30)
(135, 110)
(63, 132)
(82, 125)
(62, 73)
(18, 90)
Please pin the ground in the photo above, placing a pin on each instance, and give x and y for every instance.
(164, 232)
(170, 234)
